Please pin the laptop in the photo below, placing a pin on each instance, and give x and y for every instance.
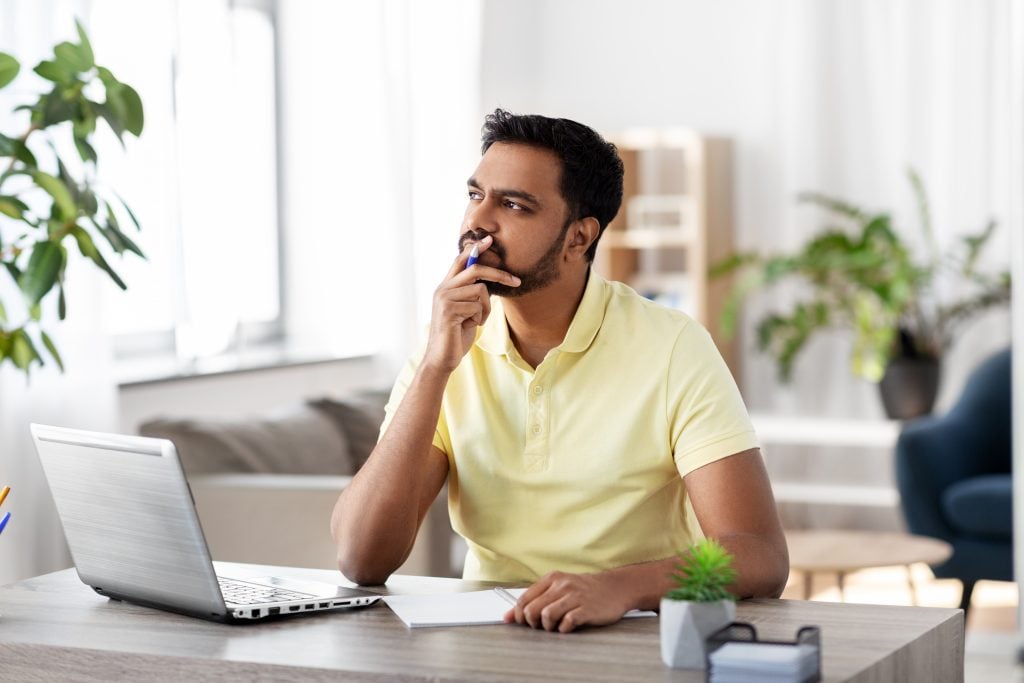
(131, 525)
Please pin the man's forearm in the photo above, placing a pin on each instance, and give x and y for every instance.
(375, 521)
(761, 572)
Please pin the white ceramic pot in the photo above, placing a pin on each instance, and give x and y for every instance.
(684, 627)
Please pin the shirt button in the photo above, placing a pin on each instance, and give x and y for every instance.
(537, 391)
(536, 429)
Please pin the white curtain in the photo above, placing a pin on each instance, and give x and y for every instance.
(830, 95)
(85, 396)
(379, 111)
(864, 90)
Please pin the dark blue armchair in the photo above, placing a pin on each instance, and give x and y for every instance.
(953, 474)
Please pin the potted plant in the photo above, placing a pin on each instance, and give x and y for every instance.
(698, 606)
(905, 313)
(49, 197)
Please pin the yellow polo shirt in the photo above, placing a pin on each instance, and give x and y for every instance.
(577, 465)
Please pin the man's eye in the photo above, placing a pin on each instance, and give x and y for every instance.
(475, 196)
(514, 206)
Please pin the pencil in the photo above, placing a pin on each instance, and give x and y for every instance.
(3, 522)
(3, 494)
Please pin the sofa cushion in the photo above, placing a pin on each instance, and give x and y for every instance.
(359, 417)
(300, 440)
(981, 506)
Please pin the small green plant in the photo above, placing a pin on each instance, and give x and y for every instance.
(703, 574)
(50, 197)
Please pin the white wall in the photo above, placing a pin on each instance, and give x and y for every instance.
(815, 94)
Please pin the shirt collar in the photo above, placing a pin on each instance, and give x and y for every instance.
(493, 337)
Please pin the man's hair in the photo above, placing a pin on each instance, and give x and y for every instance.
(591, 181)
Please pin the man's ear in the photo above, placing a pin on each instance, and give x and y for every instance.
(582, 234)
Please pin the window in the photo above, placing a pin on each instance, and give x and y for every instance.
(203, 177)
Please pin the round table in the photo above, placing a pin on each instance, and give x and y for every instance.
(841, 552)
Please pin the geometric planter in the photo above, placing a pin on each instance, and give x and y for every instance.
(684, 627)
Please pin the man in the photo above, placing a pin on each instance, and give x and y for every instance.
(587, 435)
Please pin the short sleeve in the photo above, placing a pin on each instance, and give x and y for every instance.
(441, 439)
(707, 418)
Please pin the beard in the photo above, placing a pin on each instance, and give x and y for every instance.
(542, 273)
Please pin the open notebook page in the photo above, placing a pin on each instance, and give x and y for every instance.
(460, 609)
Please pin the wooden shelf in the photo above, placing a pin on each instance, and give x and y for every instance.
(650, 238)
(675, 222)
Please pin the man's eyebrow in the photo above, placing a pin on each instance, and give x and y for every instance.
(507, 192)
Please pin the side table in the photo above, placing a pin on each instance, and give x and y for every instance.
(841, 552)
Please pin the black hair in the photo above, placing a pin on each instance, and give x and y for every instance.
(591, 181)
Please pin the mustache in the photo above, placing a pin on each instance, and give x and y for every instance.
(476, 236)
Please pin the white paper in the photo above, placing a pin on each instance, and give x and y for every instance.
(459, 609)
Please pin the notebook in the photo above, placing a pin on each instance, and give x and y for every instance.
(462, 609)
(134, 534)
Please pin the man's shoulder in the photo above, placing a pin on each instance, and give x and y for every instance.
(629, 309)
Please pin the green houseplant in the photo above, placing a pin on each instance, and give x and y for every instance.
(905, 313)
(699, 605)
(49, 197)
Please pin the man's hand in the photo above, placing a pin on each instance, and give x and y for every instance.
(461, 304)
(562, 601)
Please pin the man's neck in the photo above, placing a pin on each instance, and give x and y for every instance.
(538, 322)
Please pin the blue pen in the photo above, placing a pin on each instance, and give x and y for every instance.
(474, 254)
(3, 522)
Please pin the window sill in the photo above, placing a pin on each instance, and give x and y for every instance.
(158, 369)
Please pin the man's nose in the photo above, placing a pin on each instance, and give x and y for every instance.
(481, 216)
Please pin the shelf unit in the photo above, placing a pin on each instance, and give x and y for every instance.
(675, 221)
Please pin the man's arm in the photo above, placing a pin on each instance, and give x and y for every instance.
(734, 504)
(376, 518)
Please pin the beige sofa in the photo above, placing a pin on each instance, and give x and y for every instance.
(265, 486)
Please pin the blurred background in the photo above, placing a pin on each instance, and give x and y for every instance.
(301, 178)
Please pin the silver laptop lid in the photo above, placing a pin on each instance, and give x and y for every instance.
(129, 518)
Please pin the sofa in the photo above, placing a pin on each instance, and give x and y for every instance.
(265, 486)
(954, 477)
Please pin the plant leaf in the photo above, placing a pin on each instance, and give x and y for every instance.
(85, 150)
(52, 348)
(13, 207)
(54, 71)
(23, 351)
(89, 250)
(134, 118)
(13, 271)
(112, 119)
(3, 313)
(84, 45)
(72, 57)
(131, 214)
(62, 304)
(9, 68)
(56, 189)
(41, 273)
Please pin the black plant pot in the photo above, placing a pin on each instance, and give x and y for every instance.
(909, 387)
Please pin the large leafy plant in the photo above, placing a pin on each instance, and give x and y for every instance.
(44, 204)
(703, 573)
(860, 274)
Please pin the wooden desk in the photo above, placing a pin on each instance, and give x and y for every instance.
(54, 628)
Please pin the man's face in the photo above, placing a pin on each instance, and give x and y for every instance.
(514, 197)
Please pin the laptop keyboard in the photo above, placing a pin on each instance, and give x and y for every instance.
(243, 593)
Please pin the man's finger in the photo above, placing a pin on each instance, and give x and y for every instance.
(553, 612)
(571, 620)
(534, 591)
(459, 264)
(479, 272)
